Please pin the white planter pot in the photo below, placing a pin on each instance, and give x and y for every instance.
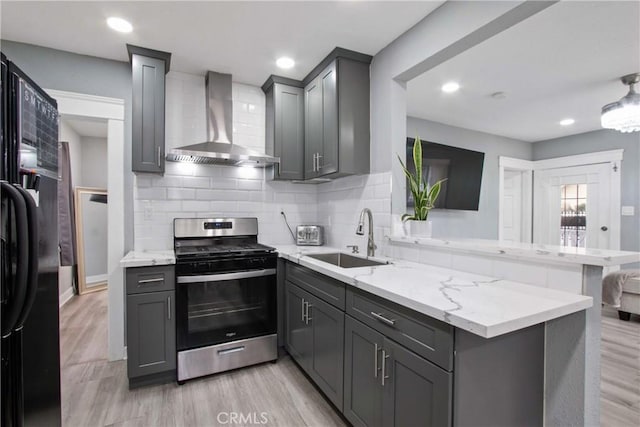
(420, 228)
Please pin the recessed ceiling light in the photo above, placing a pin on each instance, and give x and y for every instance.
(285, 62)
(567, 122)
(450, 87)
(119, 25)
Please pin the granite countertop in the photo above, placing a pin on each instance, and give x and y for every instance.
(532, 251)
(485, 306)
(146, 259)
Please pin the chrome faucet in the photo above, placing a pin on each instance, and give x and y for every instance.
(371, 246)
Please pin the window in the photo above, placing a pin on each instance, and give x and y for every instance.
(573, 211)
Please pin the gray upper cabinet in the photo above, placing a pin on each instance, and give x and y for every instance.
(313, 127)
(148, 69)
(337, 120)
(285, 126)
(319, 127)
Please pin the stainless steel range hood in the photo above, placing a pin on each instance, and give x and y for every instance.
(219, 148)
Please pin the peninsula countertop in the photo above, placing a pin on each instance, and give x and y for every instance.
(531, 251)
(485, 306)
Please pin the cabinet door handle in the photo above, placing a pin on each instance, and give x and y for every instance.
(376, 349)
(302, 306)
(383, 319)
(159, 153)
(169, 308)
(307, 313)
(145, 281)
(385, 356)
(319, 157)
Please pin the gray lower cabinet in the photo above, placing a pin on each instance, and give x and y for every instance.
(416, 392)
(285, 127)
(148, 69)
(386, 384)
(299, 340)
(151, 330)
(315, 339)
(399, 368)
(362, 377)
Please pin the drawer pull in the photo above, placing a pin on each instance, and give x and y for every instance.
(230, 350)
(383, 319)
(144, 281)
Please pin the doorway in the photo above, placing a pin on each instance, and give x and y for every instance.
(111, 110)
(569, 201)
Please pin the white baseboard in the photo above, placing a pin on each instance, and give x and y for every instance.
(65, 296)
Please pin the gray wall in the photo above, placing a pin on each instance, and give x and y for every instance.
(56, 69)
(483, 223)
(94, 163)
(602, 140)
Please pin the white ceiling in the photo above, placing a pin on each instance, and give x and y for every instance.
(86, 127)
(242, 38)
(563, 62)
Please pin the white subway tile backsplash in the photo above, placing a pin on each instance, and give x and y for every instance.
(181, 193)
(249, 184)
(196, 205)
(224, 183)
(196, 182)
(154, 193)
(219, 206)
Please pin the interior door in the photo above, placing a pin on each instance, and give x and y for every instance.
(572, 206)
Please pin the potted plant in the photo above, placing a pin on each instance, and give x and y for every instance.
(424, 196)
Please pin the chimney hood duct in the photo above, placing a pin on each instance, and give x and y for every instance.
(219, 148)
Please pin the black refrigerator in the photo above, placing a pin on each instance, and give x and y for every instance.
(30, 343)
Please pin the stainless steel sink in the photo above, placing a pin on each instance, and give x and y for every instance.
(345, 260)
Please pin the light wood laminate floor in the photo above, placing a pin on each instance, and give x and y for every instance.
(95, 392)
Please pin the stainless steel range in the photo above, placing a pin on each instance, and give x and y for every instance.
(225, 297)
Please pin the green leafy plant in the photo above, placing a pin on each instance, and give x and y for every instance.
(424, 196)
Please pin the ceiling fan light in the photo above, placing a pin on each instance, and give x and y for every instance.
(623, 115)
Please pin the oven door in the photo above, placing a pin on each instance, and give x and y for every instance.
(217, 308)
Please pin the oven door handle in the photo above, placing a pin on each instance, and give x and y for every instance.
(226, 276)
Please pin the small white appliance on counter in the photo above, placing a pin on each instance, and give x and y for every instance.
(309, 235)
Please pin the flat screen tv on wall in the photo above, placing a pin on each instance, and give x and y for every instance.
(462, 168)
